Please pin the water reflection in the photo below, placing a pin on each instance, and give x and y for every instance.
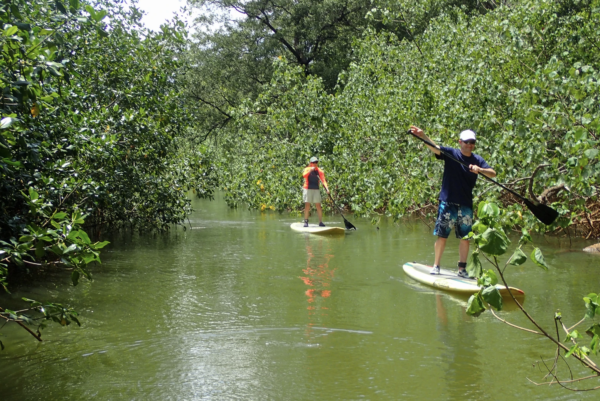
(460, 354)
(317, 276)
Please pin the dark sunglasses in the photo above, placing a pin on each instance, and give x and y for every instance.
(470, 142)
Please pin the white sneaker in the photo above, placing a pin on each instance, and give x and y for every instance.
(435, 270)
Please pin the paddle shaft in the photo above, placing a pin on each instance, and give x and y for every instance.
(347, 223)
(465, 164)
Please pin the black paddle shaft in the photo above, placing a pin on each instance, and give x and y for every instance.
(544, 213)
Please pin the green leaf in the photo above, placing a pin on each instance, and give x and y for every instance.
(593, 330)
(475, 305)
(591, 153)
(23, 27)
(595, 344)
(488, 278)
(99, 245)
(591, 305)
(33, 195)
(488, 209)
(572, 335)
(75, 277)
(71, 248)
(15, 11)
(474, 267)
(89, 258)
(479, 227)
(73, 318)
(39, 250)
(84, 237)
(60, 6)
(518, 257)
(574, 348)
(11, 31)
(492, 296)
(90, 10)
(525, 237)
(100, 15)
(538, 258)
(59, 216)
(74, 5)
(496, 242)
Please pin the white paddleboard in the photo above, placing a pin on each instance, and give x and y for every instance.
(449, 281)
(315, 229)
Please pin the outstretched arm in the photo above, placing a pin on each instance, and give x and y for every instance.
(419, 132)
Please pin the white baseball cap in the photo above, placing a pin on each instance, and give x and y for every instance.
(466, 135)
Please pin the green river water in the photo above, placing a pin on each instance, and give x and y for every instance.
(242, 307)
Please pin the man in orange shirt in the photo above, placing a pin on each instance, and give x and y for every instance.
(310, 190)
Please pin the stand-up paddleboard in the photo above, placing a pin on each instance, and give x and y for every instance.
(315, 229)
(449, 281)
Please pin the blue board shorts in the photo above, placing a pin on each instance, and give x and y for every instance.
(453, 215)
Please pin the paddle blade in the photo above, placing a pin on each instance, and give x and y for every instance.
(544, 213)
(349, 226)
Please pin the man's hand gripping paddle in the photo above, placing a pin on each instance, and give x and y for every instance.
(544, 213)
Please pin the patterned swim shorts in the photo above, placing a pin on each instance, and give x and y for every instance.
(453, 215)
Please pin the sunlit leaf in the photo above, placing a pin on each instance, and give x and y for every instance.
(474, 267)
(496, 242)
(475, 305)
(538, 258)
(591, 305)
(518, 257)
(492, 296)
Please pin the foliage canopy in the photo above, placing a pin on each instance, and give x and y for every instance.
(522, 76)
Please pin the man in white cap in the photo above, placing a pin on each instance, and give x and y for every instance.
(455, 209)
(310, 190)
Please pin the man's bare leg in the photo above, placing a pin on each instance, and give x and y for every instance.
(439, 246)
(306, 210)
(319, 212)
(463, 250)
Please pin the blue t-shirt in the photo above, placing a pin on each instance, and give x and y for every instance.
(458, 181)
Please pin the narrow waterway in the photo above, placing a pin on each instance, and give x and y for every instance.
(242, 307)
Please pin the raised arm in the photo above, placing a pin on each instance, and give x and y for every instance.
(419, 132)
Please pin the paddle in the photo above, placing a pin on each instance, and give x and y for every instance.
(349, 226)
(544, 213)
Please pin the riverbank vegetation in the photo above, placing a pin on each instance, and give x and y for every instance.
(523, 74)
(93, 134)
